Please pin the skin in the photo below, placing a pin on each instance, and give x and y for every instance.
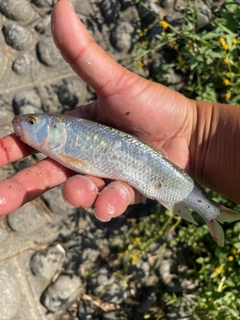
(198, 136)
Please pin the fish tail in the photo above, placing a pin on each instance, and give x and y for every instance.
(226, 215)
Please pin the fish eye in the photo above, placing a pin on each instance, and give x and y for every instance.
(32, 120)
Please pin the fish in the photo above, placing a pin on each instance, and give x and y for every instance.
(88, 147)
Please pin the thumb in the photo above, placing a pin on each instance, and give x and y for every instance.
(84, 55)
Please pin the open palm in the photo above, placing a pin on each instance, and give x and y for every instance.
(154, 113)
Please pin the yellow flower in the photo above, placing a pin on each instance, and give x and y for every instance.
(139, 32)
(226, 82)
(217, 270)
(164, 24)
(222, 40)
(230, 258)
(227, 97)
(233, 251)
(174, 42)
(140, 64)
(234, 41)
(137, 240)
(134, 258)
(225, 46)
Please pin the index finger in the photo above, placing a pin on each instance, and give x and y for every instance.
(29, 183)
(13, 149)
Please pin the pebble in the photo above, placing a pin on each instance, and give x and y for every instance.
(17, 37)
(153, 32)
(85, 310)
(48, 53)
(24, 64)
(175, 19)
(44, 3)
(167, 4)
(108, 9)
(148, 300)
(19, 10)
(113, 316)
(26, 101)
(123, 36)
(61, 294)
(55, 202)
(27, 219)
(71, 93)
(44, 26)
(47, 262)
(204, 15)
(147, 13)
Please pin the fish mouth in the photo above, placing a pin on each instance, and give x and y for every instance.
(16, 122)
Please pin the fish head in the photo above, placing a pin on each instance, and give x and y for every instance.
(40, 131)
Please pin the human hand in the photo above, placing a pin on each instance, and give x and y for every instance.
(163, 118)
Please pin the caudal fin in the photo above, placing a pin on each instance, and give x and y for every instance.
(226, 215)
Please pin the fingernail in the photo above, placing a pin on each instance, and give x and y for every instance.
(101, 219)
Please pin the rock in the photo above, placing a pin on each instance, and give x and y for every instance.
(24, 64)
(108, 10)
(47, 262)
(19, 10)
(61, 294)
(85, 310)
(44, 26)
(27, 102)
(151, 34)
(175, 19)
(47, 52)
(27, 219)
(147, 12)
(18, 37)
(123, 36)
(72, 93)
(149, 299)
(44, 3)
(167, 4)
(106, 285)
(113, 316)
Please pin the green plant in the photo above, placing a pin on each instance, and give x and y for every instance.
(208, 59)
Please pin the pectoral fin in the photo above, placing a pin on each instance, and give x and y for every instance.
(73, 163)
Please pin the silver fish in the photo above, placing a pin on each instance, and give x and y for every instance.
(92, 148)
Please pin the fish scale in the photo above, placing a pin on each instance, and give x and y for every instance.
(125, 158)
(99, 150)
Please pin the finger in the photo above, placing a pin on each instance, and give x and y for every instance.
(30, 183)
(114, 200)
(13, 149)
(80, 50)
(82, 191)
